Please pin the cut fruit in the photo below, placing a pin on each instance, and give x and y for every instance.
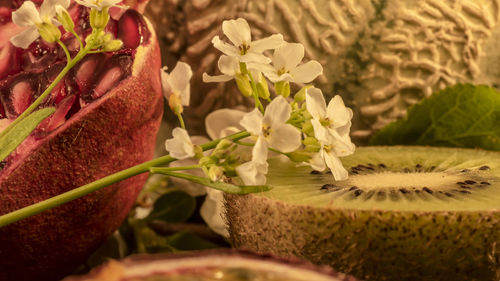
(108, 110)
(222, 265)
(404, 213)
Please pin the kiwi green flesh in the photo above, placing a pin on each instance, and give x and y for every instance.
(397, 178)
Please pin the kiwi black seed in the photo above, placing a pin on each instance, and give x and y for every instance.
(410, 218)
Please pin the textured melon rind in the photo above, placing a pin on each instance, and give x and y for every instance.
(119, 133)
(371, 244)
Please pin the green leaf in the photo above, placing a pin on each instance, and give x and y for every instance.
(186, 241)
(460, 116)
(16, 135)
(173, 206)
(223, 186)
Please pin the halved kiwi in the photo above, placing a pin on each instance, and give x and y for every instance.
(404, 213)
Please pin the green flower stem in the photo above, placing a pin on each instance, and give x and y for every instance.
(252, 144)
(98, 184)
(66, 51)
(157, 170)
(181, 120)
(70, 64)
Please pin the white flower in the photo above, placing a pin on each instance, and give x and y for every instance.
(254, 172)
(229, 66)
(28, 16)
(334, 147)
(246, 50)
(100, 4)
(212, 211)
(336, 117)
(177, 82)
(272, 127)
(286, 66)
(180, 146)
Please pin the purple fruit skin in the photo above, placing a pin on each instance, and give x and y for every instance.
(118, 132)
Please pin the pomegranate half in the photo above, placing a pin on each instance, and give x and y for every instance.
(108, 110)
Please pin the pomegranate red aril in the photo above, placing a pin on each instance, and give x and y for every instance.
(106, 119)
(132, 30)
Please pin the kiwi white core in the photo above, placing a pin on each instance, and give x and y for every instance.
(403, 180)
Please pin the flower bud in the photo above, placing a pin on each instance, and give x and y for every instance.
(282, 88)
(64, 18)
(263, 89)
(215, 173)
(206, 161)
(310, 141)
(300, 156)
(113, 45)
(175, 104)
(300, 96)
(243, 84)
(49, 32)
(308, 129)
(198, 152)
(224, 144)
(99, 19)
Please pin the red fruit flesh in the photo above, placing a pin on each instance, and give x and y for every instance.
(108, 110)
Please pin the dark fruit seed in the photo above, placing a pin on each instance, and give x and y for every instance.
(461, 183)
(370, 165)
(353, 188)
(380, 195)
(470, 182)
(418, 166)
(465, 191)
(448, 194)
(2, 164)
(370, 168)
(327, 186)
(417, 191)
(354, 172)
(406, 170)
(426, 189)
(484, 168)
(465, 170)
(404, 191)
(314, 172)
(358, 192)
(369, 195)
(485, 183)
(433, 167)
(381, 165)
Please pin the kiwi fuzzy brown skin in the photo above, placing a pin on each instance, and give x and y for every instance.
(371, 244)
(113, 133)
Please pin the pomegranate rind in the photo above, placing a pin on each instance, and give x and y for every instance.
(146, 266)
(111, 134)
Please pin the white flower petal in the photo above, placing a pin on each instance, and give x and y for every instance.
(237, 31)
(47, 9)
(338, 112)
(179, 81)
(320, 132)
(277, 112)
(317, 162)
(315, 103)
(288, 56)
(224, 47)
(25, 38)
(212, 212)
(285, 138)
(217, 122)
(255, 57)
(229, 65)
(165, 85)
(342, 145)
(252, 173)
(26, 15)
(272, 42)
(259, 151)
(252, 122)
(217, 78)
(333, 162)
(180, 146)
(306, 72)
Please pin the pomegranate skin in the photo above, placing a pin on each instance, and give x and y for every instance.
(113, 133)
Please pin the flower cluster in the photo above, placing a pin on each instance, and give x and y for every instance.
(302, 127)
(45, 23)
